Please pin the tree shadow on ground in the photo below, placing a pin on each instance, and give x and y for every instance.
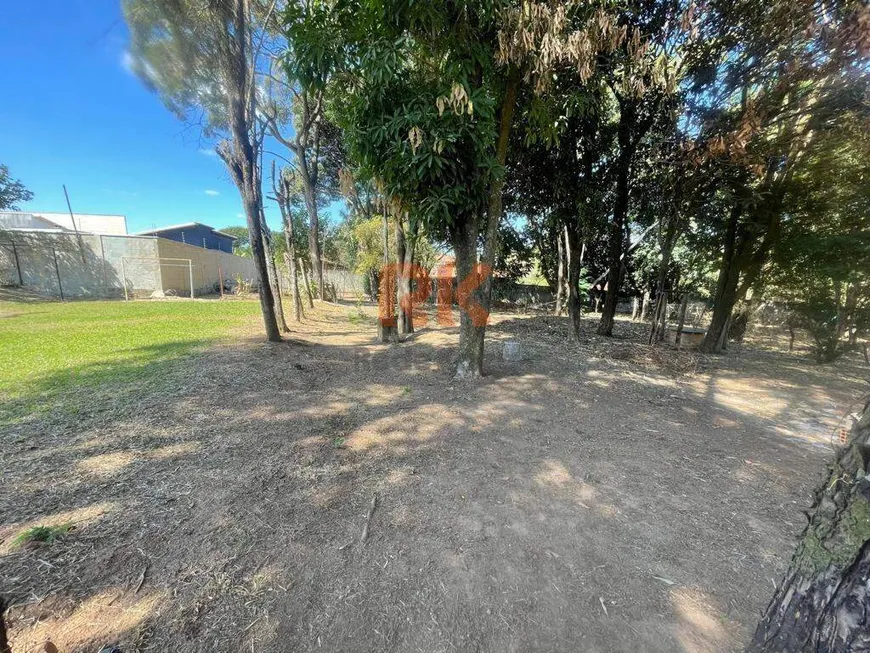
(554, 505)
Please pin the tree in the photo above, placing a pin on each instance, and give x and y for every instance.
(199, 56)
(821, 604)
(429, 98)
(820, 267)
(793, 71)
(242, 243)
(12, 191)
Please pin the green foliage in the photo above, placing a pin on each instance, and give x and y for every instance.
(44, 534)
(12, 191)
(242, 243)
(59, 354)
(395, 63)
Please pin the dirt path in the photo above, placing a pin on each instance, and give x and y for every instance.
(595, 498)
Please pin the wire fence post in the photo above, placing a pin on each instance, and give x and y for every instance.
(190, 270)
(124, 279)
(221, 280)
(57, 272)
(17, 264)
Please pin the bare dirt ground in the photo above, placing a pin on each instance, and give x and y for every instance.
(594, 497)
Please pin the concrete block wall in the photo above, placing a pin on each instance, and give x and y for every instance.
(92, 265)
(209, 266)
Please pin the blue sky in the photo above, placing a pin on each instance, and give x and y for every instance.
(72, 114)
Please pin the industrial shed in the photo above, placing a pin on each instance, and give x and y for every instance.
(196, 234)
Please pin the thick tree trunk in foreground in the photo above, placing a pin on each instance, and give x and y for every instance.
(4, 640)
(472, 327)
(823, 603)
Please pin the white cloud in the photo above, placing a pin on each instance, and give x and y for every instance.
(211, 192)
(127, 61)
(240, 215)
(205, 151)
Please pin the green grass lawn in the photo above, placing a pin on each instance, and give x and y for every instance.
(49, 349)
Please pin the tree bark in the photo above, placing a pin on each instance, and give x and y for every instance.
(290, 262)
(572, 245)
(821, 606)
(4, 640)
(387, 331)
(282, 197)
(241, 159)
(464, 236)
(620, 213)
(635, 308)
(681, 320)
(313, 228)
(560, 273)
(404, 273)
(667, 236)
(726, 288)
(272, 270)
(470, 356)
(644, 311)
(306, 284)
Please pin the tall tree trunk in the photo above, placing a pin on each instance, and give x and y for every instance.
(667, 236)
(560, 272)
(620, 214)
(644, 310)
(310, 194)
(306, 283)
(272, 270)
(387, 331)
(635, 308)
(821, 606)
(241, 159)
(290, 260)
(681, 320)
(726, 288)
(573, 248)
(281, 188)
(404, 263)
(473, 328)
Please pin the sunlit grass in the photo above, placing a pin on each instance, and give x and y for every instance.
(53, 348)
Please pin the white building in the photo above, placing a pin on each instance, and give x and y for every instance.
(115, 225)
